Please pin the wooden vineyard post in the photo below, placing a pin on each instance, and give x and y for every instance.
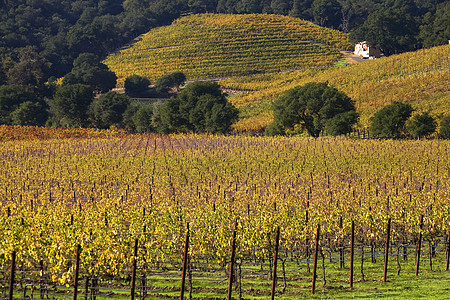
(307, 240)
(275, 261)
(341, 248)
(12, 273)
(448, 250)
(144, 275)
(185, 258)
(77, 272)
(133, 276)
(233, 254)
(352, 251)
(386, 253)
(313, 288)
(419, 245)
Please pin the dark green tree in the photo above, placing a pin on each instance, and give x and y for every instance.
(275, 128)
(435, 28)
(178, 79)
(89, 71)
(142, 118)
(296, 10)
(29, 113)
(127, 121)
(165, 11)
(390, 120)
(341, 123)
(212, 115)
(167, 82)
(444, 131)
(171, 119)
(227, 6)
(94, 33)
(108, 109)
(2, 76)
(302, 9)
(200, 107)
(314, 107)
(70, 105)
(421, 125)
(326, 13)
(281, 7)
(11, 96)
(135, 84)
(251, 6)
(202, 6)
(390, 29)
(29, 70)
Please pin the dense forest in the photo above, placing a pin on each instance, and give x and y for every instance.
(42, 40)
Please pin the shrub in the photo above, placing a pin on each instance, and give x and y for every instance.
(108, 110)
(314, 107)
(29, 113)
(390, 120)
(167, 82)
(444, 132)
(135, 84)
(421, 125)
(70, 104)
(200, 107)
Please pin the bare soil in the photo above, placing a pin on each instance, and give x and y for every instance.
(352, 58)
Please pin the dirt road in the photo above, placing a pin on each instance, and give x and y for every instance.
(352, 58)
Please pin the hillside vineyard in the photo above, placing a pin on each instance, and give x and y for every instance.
(215, 46)
(100, 192)
(419, 78)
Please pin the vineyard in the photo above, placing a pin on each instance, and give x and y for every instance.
(13, 133)
(215, 46)
(419, 78)
(331, 199)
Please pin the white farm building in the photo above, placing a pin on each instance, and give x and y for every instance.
(365, 51)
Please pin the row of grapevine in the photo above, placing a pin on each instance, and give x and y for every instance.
(13, 133)
(141, 275)
(204, 46)
(419, 78)
(99, 192)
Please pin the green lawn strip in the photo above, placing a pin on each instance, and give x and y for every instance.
(256, 282)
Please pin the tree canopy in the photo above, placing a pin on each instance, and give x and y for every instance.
(142, 119)
(166, 82)
(88, 70)
(314, 107)
(11, 97)
(108, 109)
(444, 132)
(391, 29)
(42, 38)
(71, 103)
(421, 125)
(29, 113)
(200, 107)
(135, 84)
(390, 120)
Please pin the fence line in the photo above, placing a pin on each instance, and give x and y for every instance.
(143, 279)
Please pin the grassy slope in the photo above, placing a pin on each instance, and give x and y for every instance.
(217, 45)
(420, 78)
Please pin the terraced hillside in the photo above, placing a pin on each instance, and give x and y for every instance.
(220, 45)
(420, 78)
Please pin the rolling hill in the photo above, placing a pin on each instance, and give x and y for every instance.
(222, 45)
(264, 55)
(420, 78)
